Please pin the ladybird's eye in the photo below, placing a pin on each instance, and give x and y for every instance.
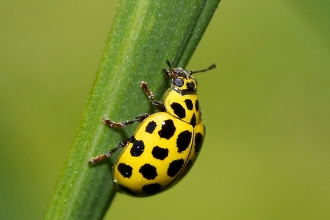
(178, 82)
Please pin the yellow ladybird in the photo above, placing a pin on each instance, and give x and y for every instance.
(165, 144)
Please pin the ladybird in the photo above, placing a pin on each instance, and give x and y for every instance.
(165, 144)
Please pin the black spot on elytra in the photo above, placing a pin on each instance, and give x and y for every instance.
(183, 141)
(198, 142)
(125, 170)
(148, 171)
(193, 120)
(189, 104)
(167, 130)
(137, 148)
(174, 167)
(197, 105)
(152, 188)
(151, 127)
(159, 153)
(178, 110)
(125, 189)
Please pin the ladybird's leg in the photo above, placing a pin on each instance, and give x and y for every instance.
(139, 118)
(121, 144)
(151, 96)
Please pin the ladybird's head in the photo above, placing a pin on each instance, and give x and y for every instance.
(182, 81)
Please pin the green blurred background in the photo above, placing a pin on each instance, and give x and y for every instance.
(266, 108)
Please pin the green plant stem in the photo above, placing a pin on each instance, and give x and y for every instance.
(144, 35)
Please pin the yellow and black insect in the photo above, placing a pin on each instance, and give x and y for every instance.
(165, 144)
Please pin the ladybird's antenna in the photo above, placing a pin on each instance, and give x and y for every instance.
(167, 72)
(169, 64)
(204, 70)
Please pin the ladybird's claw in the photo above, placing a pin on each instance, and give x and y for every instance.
(92, 161)
(112, 124)
(97, 159)
(105, 119)
(102, 157)
(152, 98)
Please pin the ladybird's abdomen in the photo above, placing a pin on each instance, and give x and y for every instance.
(158, 154)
